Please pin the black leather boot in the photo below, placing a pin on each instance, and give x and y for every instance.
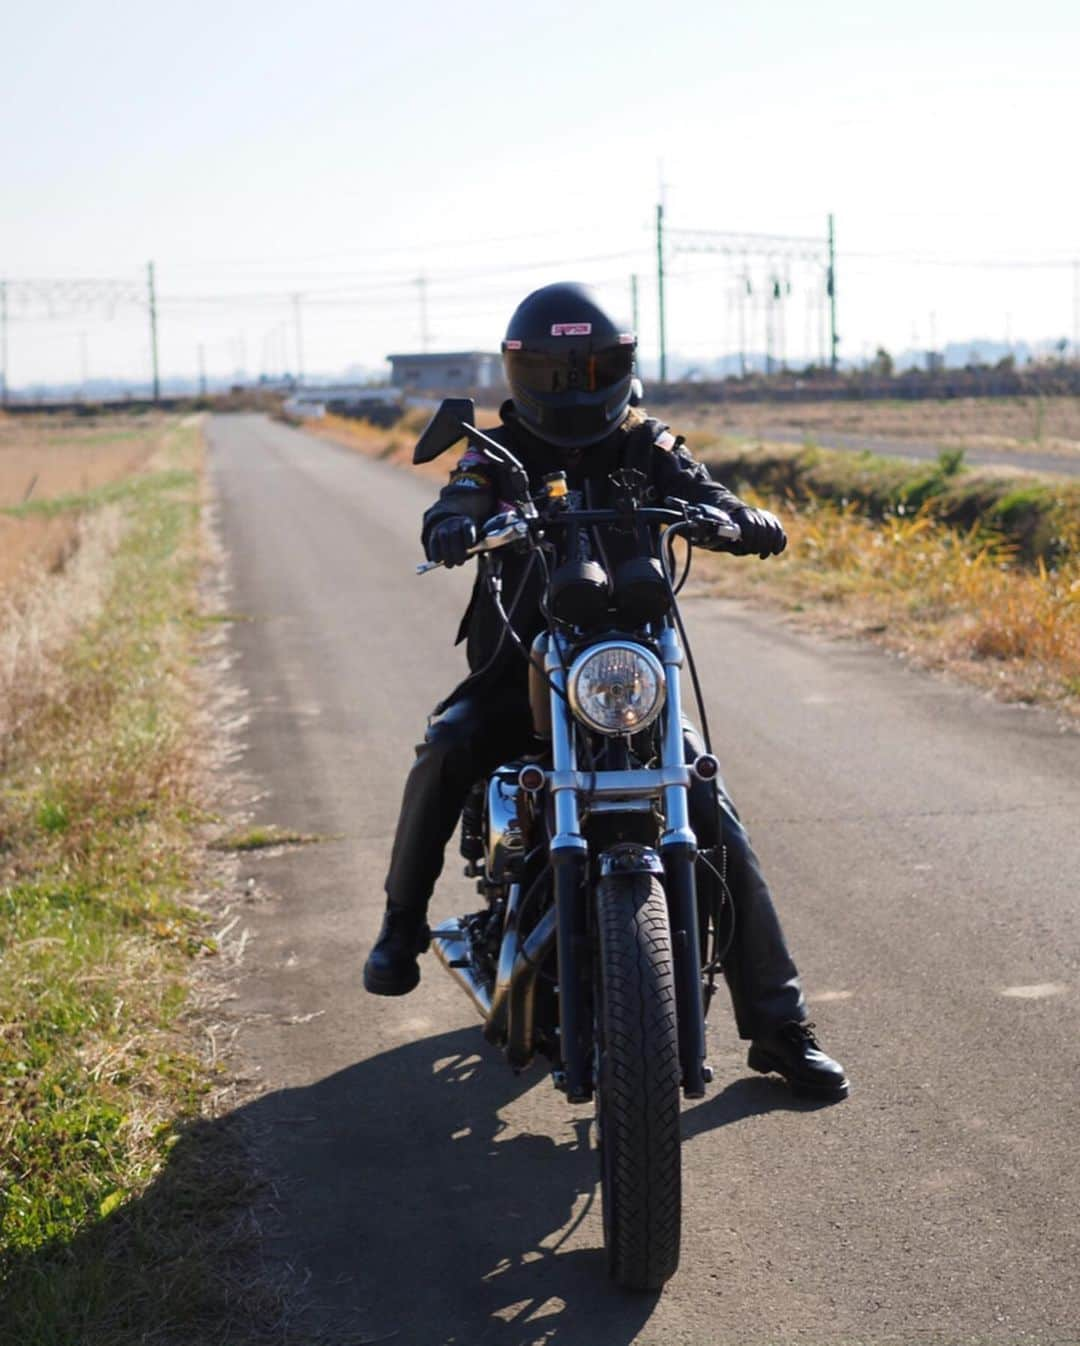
(391, 967)
(793, 1051)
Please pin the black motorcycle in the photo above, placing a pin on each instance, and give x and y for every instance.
(589, 949)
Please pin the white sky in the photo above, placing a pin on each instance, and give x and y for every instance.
(256, 150)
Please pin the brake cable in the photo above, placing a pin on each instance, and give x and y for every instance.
(489, 663)
(508, 627)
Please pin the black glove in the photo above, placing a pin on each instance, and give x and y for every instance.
(762, 533)
(450, 540)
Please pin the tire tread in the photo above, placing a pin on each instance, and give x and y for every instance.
(641, 1080)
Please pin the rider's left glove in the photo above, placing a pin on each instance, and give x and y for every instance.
(450, 540)
(762, 533)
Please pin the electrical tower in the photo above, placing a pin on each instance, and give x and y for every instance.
(773, 256)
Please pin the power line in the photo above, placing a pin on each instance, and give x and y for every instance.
(403, 282)
(968, 263)
(411, 248)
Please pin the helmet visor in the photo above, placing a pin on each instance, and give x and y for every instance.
(575, 370)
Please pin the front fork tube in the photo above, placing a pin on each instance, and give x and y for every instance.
(571, 937)
(678, 849)
(569, 858)
(682, 911)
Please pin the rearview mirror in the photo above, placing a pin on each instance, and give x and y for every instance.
(444, 429)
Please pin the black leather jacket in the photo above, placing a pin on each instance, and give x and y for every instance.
(478, 490)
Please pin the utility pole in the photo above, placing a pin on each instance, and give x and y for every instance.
(834, 339)
(660, 289)
(744, 294)
(3, 344)
(202, 370)
(634, 302)
(84, 365)
(299, 340)
(1076, 311)
(771, 293)
(152, 297)
(425, 335)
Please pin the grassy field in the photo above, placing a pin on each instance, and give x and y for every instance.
(1046, 424)
(120, 1221)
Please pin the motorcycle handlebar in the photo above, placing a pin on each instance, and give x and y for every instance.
(507, 528)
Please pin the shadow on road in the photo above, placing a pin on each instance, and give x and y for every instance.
(403, 1207)
(419, 1209)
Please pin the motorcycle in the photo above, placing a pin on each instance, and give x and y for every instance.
(588, 950)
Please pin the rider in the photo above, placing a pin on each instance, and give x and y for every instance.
(570, 372)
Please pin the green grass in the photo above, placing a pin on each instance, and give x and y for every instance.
(264, 838)
(115, 1199)
(128, 489)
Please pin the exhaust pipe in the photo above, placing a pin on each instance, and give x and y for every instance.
(452, 950)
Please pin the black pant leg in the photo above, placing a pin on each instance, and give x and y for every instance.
(760, 973)
(463, 744)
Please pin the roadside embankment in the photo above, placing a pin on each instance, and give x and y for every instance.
(102, 1063)
(1036, 515)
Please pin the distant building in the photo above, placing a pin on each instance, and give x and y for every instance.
(458, 370)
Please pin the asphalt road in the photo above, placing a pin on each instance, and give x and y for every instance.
(924, 846)
(1063, 463)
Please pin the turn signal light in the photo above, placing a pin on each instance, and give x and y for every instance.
(705, 767)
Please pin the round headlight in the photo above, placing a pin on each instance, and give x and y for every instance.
(616, 689)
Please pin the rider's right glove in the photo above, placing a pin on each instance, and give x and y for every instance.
(450, 540)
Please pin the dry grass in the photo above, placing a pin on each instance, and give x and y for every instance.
(43, 458)
(394, 444)
(950, 600)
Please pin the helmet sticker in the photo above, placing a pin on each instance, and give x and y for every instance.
(571, 329)
(511, 345)
(627, 338)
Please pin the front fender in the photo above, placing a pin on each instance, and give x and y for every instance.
(630, 857)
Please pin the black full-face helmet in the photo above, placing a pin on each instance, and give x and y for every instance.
(569, 366)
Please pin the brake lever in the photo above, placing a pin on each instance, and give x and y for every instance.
(499, 537)
(719, 521)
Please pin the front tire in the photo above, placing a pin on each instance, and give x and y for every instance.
(638, 1082)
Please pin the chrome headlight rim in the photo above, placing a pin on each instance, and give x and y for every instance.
(641, 652)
